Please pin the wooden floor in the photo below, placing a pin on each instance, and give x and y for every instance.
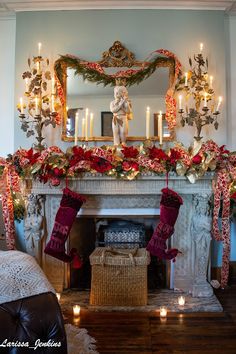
(144, 333)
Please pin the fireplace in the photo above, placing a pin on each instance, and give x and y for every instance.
(108, 196)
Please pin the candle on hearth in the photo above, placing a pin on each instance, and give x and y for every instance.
(21, 106)
(76, 310)
(181, 300)
(26, 84)
(58, 295)
(76, 127)
(205, 99)
(148, 123)
(160, 134)
(186, 79)
(91, 125)
(39, 49)
(36, 106)
(83, 128)
(201, 47)
(86, 124)
(219, 103)
(211, 81)
(180, 102)
(163, 311)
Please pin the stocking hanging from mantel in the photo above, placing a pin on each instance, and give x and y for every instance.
(169, 210)
(70, 204)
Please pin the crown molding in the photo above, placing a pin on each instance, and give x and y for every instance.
(44, 5)
(5, 14)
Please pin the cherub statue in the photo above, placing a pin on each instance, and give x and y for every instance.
(122, 112)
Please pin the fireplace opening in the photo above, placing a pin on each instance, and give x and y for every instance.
(88, 232)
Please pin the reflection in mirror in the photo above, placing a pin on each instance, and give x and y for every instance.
(84, 94)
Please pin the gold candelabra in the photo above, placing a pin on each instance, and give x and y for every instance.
(198, 90)
(40, 107)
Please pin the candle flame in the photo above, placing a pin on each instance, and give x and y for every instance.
(201, 47)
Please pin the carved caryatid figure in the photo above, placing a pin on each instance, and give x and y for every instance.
(201, 233)
(121, 108)
(33, 226)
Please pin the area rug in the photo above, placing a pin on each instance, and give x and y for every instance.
(78, 341)
(163, 297)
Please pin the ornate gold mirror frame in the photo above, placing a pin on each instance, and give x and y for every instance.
(119, 57)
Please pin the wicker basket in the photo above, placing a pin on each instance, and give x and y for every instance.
(119, 277)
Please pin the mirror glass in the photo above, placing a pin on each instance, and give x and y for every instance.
(84, 94)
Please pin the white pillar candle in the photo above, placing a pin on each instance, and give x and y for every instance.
(201, 47)
(163, 311)
(36, 106)
(21, 106)
(181, 300)
(26, 84)
(39, 49)
(76, 127)
(91, 125)
(86, 124)
(211, 81)
(180, 102)
(148, 123)
(76, 310)
(219, 103)
(83, 127)
(160, 127)
(186, 79)
(205, 99)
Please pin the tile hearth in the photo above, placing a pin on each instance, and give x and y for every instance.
(160, 297)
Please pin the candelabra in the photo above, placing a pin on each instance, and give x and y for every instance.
(41, 107)
(198, 91)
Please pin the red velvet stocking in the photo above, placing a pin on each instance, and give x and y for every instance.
(169, 210)
(71, 203)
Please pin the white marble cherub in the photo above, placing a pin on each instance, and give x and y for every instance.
(122, 110)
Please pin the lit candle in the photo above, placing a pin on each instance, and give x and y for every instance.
(181, 300)
(76, 310)
(160, 127)
(148, 123)
(201, 47)
(58, 295)
(205, 99)
(52, 102)
(91, 125)
(86, 124)
(219, 103)
(26, 84)
(180, 102)
(39, 49)
(186, 79)
(76, 127)
(21, 106)
(38, 68)
(163, 311)
(211, 80)
(36, 106)
(83, 127)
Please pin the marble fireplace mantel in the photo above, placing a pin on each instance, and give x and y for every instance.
(141, 197)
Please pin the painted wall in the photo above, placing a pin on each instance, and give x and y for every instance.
(7, 81)
(88, 33)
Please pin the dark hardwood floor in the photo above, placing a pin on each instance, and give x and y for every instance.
(145, 333)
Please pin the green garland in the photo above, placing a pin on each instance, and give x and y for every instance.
(94, 75)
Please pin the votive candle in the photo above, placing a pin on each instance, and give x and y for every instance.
(181, 300)
(76, 310)
(148, 123)
(163, 311)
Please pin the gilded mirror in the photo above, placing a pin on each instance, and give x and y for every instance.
(84, 84)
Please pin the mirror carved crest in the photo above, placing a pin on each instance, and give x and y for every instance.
(127, 71)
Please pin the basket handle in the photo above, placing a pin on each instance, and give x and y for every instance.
(113, 251)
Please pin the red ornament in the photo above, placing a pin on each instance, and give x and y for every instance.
(197, 159)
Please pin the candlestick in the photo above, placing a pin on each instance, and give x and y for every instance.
(201, 47)
(91, 125)
(205, 99)
(58, 295)
(186, 79)
(39, 49)
(21, 106)
(219, 103)
(83, 127)
(163, 311)
(76, 310)
(181, 300)
(36, 106)
(76, 127)
(180, 102)
(86, 124)
(211, 81)
(160, 127)
(26, 84)
(148, 123)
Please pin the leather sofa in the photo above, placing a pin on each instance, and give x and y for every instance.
(30, 322)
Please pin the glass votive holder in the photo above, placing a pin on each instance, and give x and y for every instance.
(76, 310)
(163, 311)
(181, 300)
(58, 295)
